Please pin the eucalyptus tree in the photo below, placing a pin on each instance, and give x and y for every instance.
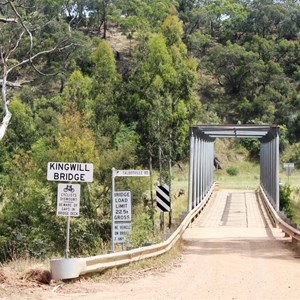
(162, 91)
(105, 90)
(266, 17)
(25, 44)
(139, 16)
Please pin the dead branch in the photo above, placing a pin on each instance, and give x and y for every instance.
(28, 60)
(8, 20)
(16, 45)
(17, 84)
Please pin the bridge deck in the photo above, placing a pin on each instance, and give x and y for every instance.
(233, 209)
(232, 214)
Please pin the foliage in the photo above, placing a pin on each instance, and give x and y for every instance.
(285, 192)
(252, 146)
(142, 231)
(27, 213)
(292, 154)
(232, 171)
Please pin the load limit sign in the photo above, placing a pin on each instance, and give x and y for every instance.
(122, 206)
(163, 198)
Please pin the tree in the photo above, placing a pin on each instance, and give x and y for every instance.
(22, 33)
(78, 91)
(265, 17)
(162, 91)
(233, 66)
(102, 107)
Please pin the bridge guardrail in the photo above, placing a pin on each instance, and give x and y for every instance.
(73, 267)
(277, 220)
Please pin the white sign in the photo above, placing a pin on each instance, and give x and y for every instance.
(68, 200)
(72, 172)
(289, 165)
(131, 173)
(122, 206)
(120, 232)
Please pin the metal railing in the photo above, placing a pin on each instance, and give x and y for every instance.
(277, 220)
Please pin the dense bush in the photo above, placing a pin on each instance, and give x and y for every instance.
(285, 192)
(142, 231)
(232, 171)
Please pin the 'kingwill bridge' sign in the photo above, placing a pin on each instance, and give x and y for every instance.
(71, 172)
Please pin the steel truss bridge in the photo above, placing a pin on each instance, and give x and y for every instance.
(202, 139)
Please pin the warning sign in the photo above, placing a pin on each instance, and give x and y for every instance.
(68, 200)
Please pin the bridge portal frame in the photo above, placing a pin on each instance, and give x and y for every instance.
(202, 139)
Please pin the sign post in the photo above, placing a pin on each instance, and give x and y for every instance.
(68, 238)
(68, 203)
(68, 194)
(121, 206)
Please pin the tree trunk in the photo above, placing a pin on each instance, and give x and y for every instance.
(7, 113)
(151, 189)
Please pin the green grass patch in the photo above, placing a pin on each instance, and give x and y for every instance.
(246, 175)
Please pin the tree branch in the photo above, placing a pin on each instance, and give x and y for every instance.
(16, 45)
(8, 20)
(6, 69)
(29, 60)
(17, 84)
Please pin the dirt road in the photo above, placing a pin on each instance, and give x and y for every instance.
(229, 253)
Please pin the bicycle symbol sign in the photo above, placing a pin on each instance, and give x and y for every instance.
(68, 200)
(69, 188)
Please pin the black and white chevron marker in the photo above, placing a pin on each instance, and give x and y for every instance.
(163, 198)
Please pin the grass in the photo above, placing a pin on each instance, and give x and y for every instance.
(246, 179)
(180, 190)
(22, 264)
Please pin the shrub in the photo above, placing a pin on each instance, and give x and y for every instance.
(142, 231)
(285, 192)
(232, 171)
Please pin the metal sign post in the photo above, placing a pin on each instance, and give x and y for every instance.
(126, 213)
(68, 203)
(112, 211)
(68, 237)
